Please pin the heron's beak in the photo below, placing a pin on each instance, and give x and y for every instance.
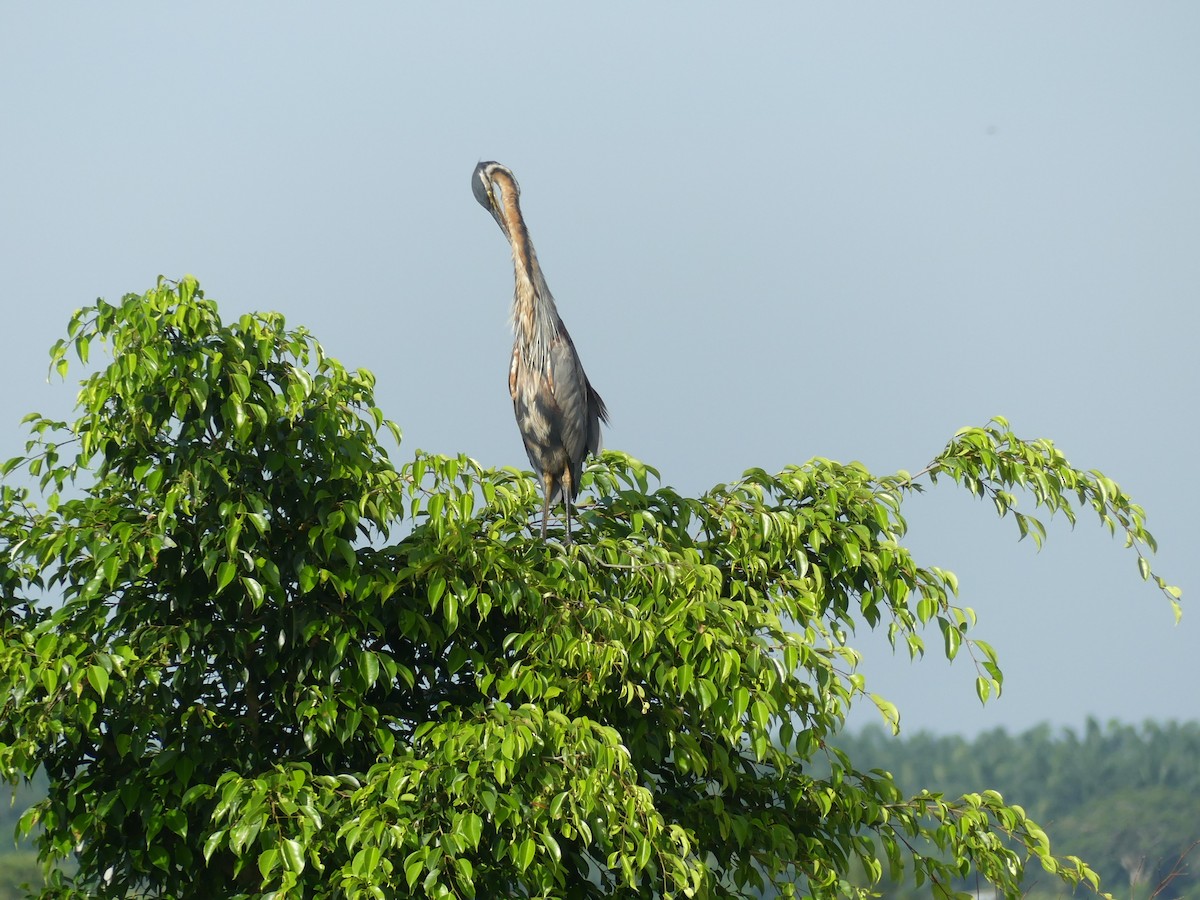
(496, 213)
(493, 201)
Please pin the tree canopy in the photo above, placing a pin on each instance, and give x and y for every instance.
(257, 658)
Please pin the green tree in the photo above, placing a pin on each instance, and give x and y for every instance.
(283, 666)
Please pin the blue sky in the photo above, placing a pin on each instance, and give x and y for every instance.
(775, 231)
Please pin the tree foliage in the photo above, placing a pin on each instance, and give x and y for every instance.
(284, 666)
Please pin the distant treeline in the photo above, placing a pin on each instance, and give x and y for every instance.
(18, 864)
(1124, 798)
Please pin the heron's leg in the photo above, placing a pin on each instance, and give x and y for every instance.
(568, 489)
(547, 481)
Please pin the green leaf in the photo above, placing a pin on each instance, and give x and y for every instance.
(225, 574)
(413, 866)
(951, 636)
(741, 701)
(470, 826)
(254, 591)
(268, 860)
(888, 710)
(437, 587)
(760, 714)
(368, 667)
(199, 393)
(926, 609)
(212, 843)
(523, 854)
(98, 678)
(293, 855)
(983, 688)
(1144, 568)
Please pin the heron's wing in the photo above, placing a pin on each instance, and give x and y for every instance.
(569, 387)
(579, 406)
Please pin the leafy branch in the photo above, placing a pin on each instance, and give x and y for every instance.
(990, 461)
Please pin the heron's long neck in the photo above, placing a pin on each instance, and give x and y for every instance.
(534, 316)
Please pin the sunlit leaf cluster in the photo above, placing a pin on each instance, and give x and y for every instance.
(992, 461)
(257, 658)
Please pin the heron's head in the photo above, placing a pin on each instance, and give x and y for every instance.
(497, 190)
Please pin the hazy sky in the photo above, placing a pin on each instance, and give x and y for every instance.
(775, 231)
